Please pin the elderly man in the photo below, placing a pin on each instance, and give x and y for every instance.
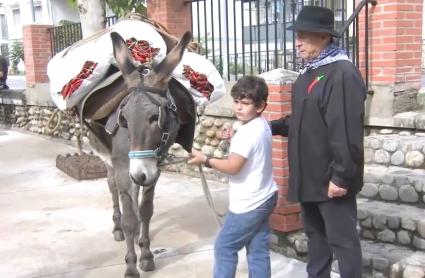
(325, 145)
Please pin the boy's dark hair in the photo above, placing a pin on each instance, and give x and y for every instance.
(251, 87)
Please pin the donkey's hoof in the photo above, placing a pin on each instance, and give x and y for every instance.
(118, 235)
(131, 272)
(147, 265)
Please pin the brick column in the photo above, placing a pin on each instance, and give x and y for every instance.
(175, 15)
(395, 43)
(286, 216)
(37, 52)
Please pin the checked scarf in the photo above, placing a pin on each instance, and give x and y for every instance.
(330, 54)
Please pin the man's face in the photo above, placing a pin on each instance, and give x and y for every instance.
(310, 44)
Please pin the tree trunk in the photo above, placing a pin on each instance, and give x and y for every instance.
(92, 16)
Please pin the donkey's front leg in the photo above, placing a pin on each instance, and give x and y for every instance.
(146, 262)
(129, 222)
(116, 216)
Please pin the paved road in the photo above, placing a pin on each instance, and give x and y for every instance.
(55, 226)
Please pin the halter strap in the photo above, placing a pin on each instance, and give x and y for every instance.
(142, 154)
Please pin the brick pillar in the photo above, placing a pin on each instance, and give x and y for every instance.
(286, 216)
(37, 52)
(395, 43)
(175, 15)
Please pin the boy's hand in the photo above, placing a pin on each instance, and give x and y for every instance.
(196, 158)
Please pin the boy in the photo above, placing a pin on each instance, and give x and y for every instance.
(252, 190)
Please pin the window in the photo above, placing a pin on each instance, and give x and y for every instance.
(38, 14)
(3, 26)
(17, 17)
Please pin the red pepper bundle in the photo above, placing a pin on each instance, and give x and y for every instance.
(76, 82)
(198, 81)
(141, 50)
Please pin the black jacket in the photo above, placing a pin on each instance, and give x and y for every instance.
(325, 132)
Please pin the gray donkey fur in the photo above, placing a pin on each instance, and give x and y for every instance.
(142, 117)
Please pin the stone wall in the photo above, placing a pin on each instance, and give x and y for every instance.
(402, 149)
(394, 184)
(207, 139)
(379, 260)
(41, 120)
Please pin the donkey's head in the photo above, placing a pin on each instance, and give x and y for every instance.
(148, 112)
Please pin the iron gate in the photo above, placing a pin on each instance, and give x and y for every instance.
(249, 36)
(67, 34)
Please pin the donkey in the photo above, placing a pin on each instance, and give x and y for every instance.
(154, 112)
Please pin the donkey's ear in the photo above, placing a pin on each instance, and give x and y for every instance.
(124, 61)
(161, 74)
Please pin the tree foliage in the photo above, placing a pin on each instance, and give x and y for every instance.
(16, 54)
(16, 51)
(120, 8)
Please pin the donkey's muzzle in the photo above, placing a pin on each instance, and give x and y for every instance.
(138, 179)
(143, 171)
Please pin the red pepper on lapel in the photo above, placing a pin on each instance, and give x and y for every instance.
(314, 82)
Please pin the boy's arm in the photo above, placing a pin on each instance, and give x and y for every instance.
(280, 126)
(230, 165)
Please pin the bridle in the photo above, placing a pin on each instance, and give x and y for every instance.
(166, 122)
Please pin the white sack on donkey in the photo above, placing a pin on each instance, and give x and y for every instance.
(77, 70)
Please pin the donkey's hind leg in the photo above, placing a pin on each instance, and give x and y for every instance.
(146, 262)
(116, 216)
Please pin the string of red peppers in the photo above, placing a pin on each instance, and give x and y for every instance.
(198, 81)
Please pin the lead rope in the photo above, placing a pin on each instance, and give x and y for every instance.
(207, 193)
(208, 197)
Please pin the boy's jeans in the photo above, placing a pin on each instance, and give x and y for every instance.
(250, 229)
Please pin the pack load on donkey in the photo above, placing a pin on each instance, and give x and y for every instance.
(79, 69)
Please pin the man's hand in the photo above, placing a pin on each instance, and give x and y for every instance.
(196, 158)
(336, 191)
(225, 133)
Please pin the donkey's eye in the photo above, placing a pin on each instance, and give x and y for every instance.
(154, 118)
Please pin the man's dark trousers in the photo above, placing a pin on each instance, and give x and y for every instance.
(331, 229)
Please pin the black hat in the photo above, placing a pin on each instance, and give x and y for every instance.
(315, 19)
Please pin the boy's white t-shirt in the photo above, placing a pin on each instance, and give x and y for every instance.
(254, 183)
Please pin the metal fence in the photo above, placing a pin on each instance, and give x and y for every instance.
(65, 35)
(249, 36)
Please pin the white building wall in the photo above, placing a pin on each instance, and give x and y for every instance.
(52, 12)
(26, 11)
(14, 28)
(61, 10)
